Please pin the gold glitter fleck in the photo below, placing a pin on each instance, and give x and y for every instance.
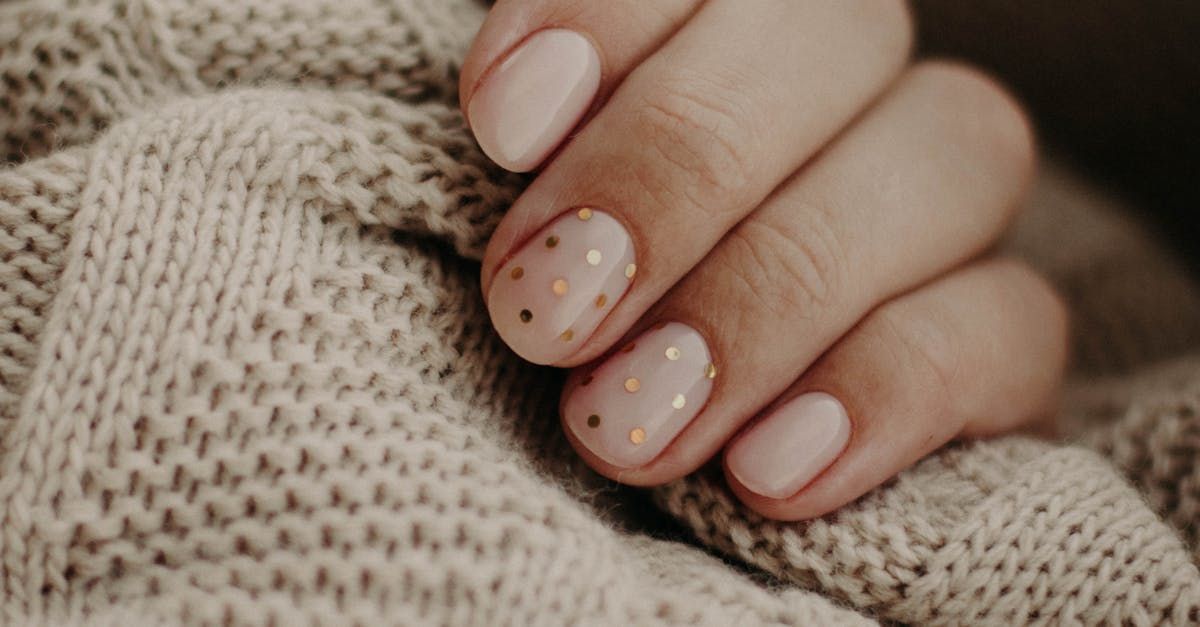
(637, 436)
(629, 347)
(600, 301)
(560, 287)
(587, 381)
(632, 385)
(679, 401)
(526, 315)
(594, 257)
(630, 270)
(594, 421)
(567, 335)
(710, 371)
(585, 214)
(673, 353)
(517, 273)
(552, 241)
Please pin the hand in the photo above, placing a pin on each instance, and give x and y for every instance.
(759, 229)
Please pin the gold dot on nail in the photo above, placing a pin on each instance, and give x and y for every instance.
(593, 421)
(637, 436)
(710, 371)
(552, 241)
(630, 270)
(526, 315)
(629, 347)
(517, 273)
(567, 335)
(632, 385)
(672, 353)
(594, 257)
(587, 381)
(600, 301)
(560, 287)
(585, 214)
(679, 401)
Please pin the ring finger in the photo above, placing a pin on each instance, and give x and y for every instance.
(926, 180)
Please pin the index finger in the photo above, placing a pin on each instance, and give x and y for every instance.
(538, 66)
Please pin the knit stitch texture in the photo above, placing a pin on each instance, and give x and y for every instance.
(246, 377)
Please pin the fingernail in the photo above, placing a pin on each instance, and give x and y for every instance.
(552, 294)
(633, 406)
(781, 454)
(534, 97)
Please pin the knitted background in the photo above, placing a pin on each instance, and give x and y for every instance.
(246, 376)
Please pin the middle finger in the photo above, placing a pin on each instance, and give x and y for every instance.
(691, 142)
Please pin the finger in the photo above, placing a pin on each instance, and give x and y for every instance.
(537, 66)
(693, 140)
(923, 182)
(980, 351)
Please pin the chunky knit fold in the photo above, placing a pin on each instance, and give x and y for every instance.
(246, 375)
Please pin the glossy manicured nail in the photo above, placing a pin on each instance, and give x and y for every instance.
(530, 101)
(633, 406)
(781, 454)
(553, 293)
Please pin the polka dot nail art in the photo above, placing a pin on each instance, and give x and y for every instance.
(633, 405)
(550, 296)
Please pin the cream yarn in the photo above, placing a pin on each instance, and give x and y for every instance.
(246, 376)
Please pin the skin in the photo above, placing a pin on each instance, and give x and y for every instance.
(817, 207)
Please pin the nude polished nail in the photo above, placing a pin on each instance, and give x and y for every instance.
(788, 448)
(550, 296)
(631, 407)
(529, 102)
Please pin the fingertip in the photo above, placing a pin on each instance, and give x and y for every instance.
(773, 464)
(795, 507)
(630, 409)
(501, 31)
(552, 293)
(527, 103)
(781, 454)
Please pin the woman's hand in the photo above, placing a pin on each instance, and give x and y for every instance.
(759, 229)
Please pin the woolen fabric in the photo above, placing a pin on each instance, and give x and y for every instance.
(247, 378)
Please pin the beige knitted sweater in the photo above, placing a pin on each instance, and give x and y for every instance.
(246, 376)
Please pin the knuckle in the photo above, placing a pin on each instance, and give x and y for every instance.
(583, 12)
(896, 17)
(698, 128)
(922, 344)
(981, 109)
(1038, 295)
(561, 11)
(884, 29)
(790, 271)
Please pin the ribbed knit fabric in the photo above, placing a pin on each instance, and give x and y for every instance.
(246, 376)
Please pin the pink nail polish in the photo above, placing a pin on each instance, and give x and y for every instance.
(534, 97)
(550, 296)
(781, 454)
(633, 406)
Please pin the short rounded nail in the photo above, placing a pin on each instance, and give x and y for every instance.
(630, 408)
(789, 447)
(529, 102)
(550, 296)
